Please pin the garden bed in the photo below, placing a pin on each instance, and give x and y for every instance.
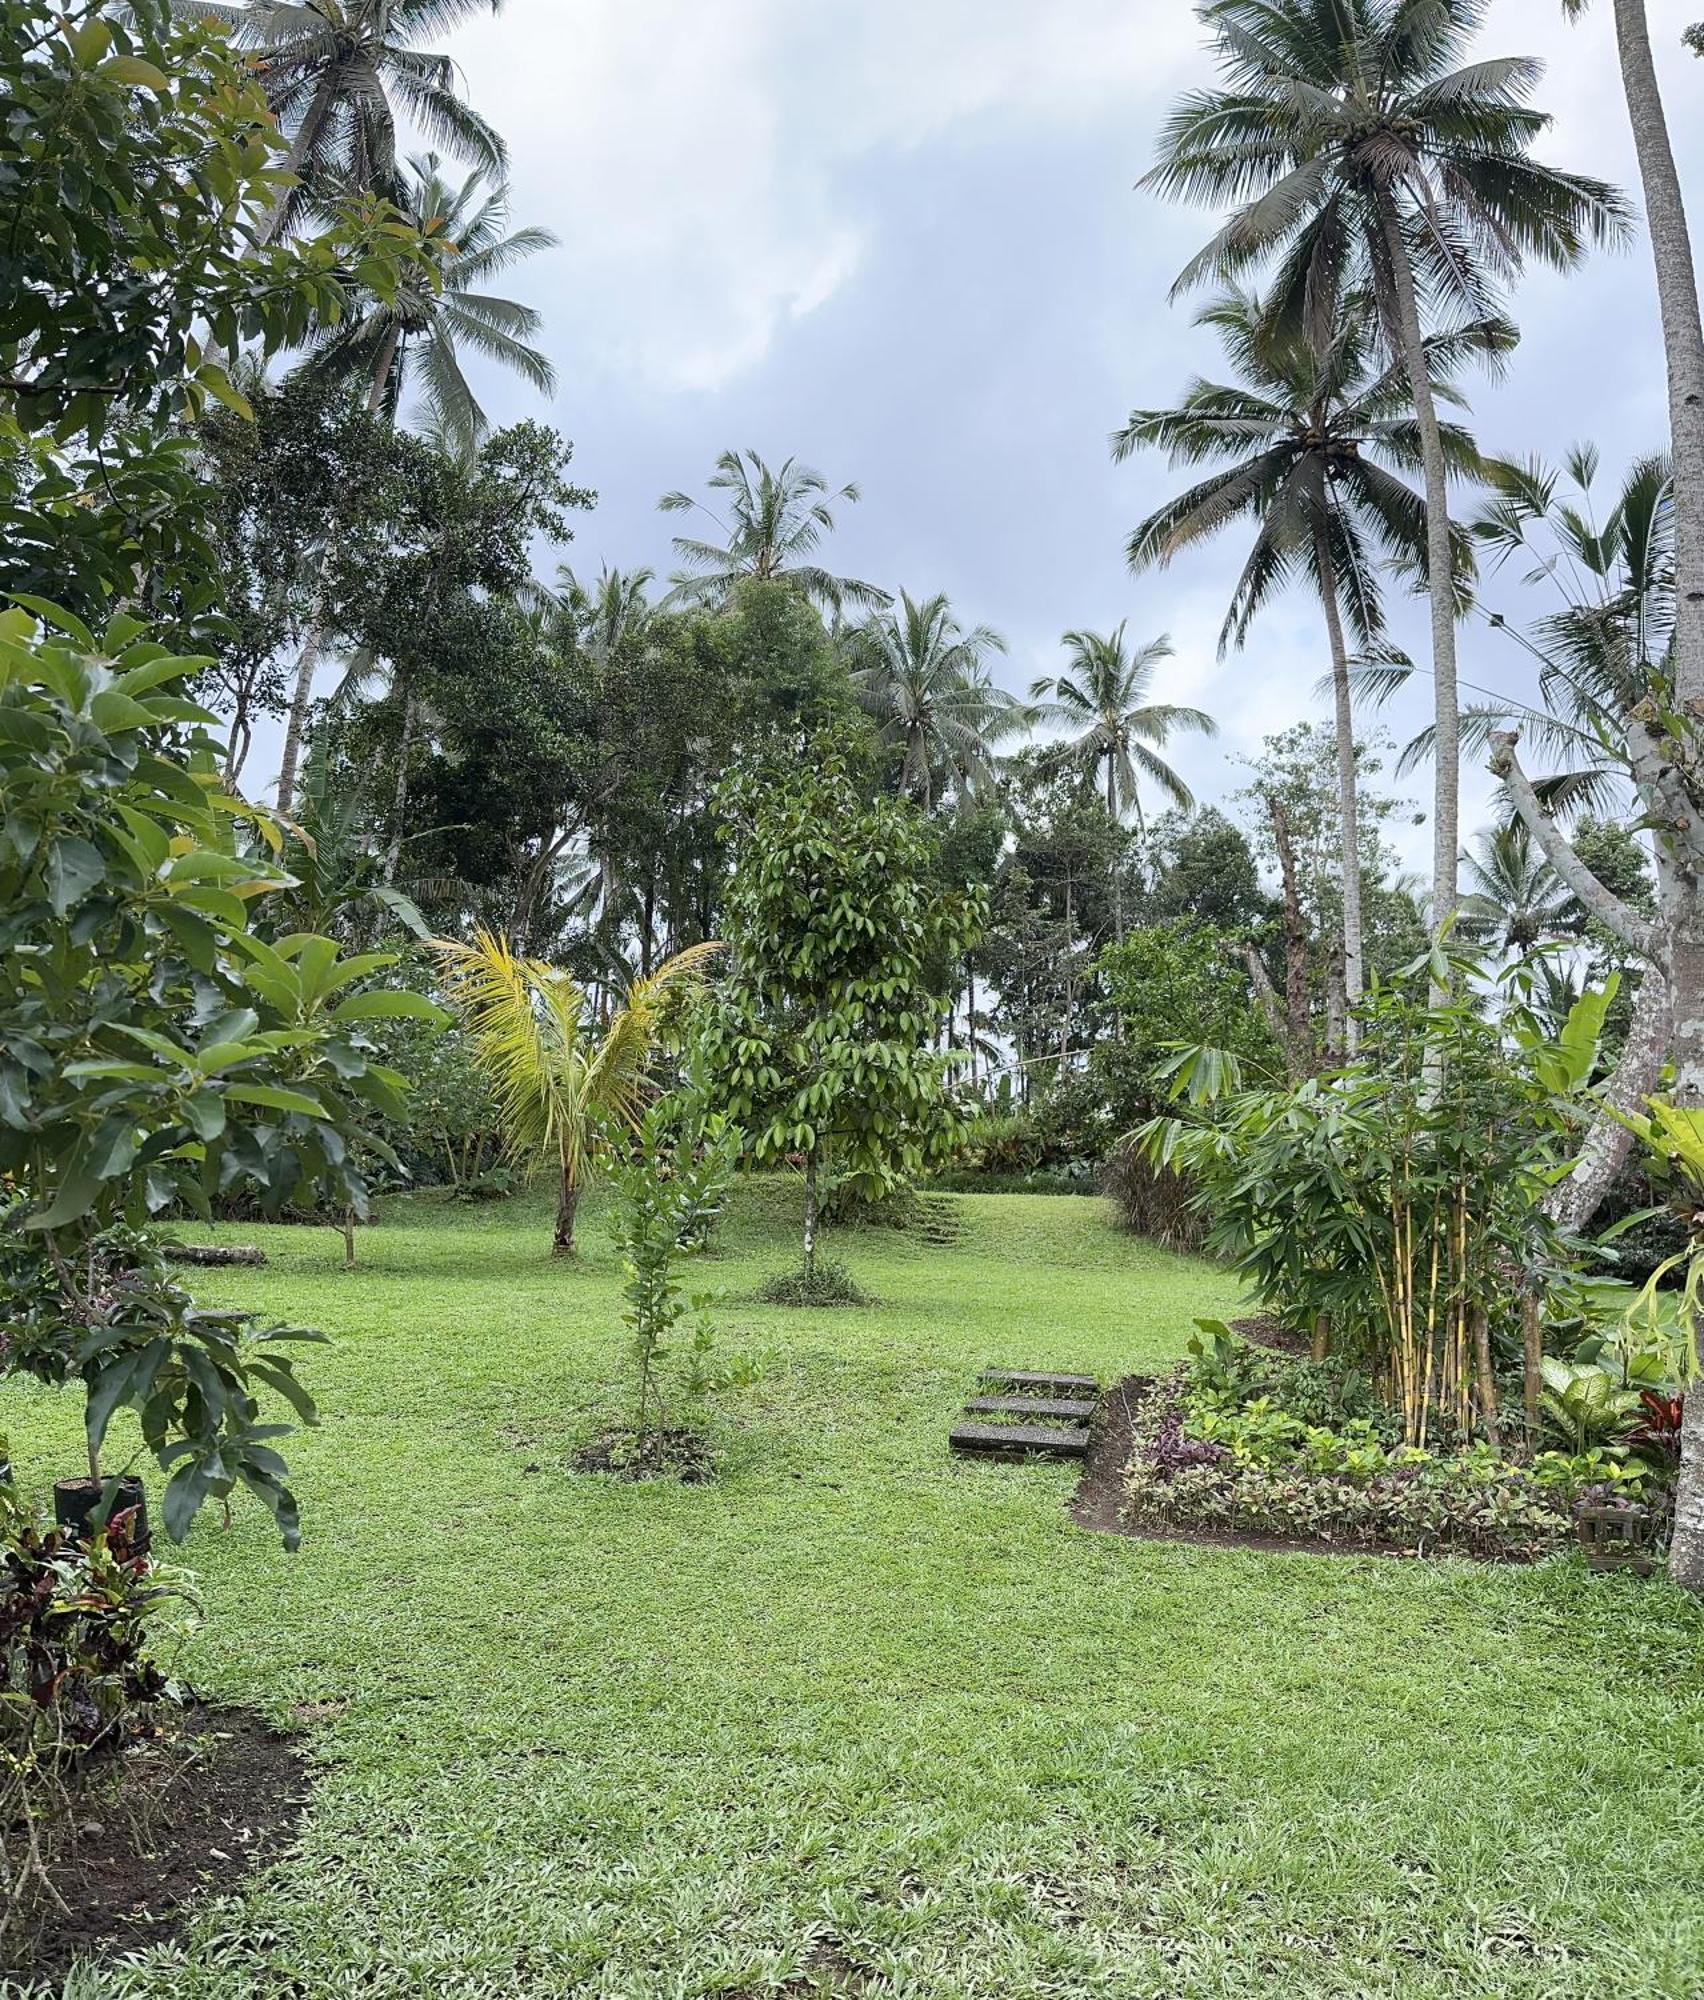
(1250, 1445)
(193, 1807)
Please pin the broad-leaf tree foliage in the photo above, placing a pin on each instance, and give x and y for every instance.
(822, 1036)
(156, 1051)
(137, 156)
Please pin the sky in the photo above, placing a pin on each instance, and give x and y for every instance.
(901, 240)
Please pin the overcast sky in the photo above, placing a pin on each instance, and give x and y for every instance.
(900, 239)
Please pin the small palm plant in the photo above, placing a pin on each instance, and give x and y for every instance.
(561, 1083)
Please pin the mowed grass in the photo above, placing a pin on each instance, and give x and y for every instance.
(863, 1719)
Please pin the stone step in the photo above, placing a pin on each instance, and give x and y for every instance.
(1029, 1378)
(1065, 1408)
(1020, 1440)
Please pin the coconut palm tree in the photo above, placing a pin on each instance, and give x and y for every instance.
(1307, 444)
(427, 326)
(561, 1085)
(1515, 901)
(1115, 733)
(926, 681)
(1362, 152)
(336, 74)
(430, 323)
(609, 613)
(772, 524)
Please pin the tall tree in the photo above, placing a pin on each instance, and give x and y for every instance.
(1308, 445)
(774, 520)
(336, 74)
(429, 322)
(1659, 741)
(1114, 731)
(1683, 330)
(427, 326)
(1364, 153)
(925, 680)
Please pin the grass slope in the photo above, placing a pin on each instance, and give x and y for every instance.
(861, 1719)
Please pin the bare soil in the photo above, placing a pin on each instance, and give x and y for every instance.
(194, 1807)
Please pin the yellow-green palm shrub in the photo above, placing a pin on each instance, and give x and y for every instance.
(561, 1083)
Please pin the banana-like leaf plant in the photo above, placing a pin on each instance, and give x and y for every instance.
(562, 1081)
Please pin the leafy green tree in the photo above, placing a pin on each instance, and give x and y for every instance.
(336, 74)
(137, 153)
(1201, 866)
(1363, 153)
(772, 524)
(821, 1038)
(1308, 446)
(154, 1051)
(925, 680)
(432, 318)
(1170, 984)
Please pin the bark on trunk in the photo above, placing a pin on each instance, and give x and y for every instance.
(382, 371)
(296, 729)
(810, 1212)
(1532, 1352)
(1440, 578)
(1117, 858)
(1265, 995)
(1338, 1020)
(1298, 1025)
(567, 1206)
(1683, 333)
(1348, 799)
(399, 798)
(1485, 1380)
(1603, 1152)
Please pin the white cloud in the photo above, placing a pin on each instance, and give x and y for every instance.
(698, 162)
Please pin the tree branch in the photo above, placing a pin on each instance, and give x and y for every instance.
(1636, 932)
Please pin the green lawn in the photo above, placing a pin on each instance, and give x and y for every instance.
(860, 1719)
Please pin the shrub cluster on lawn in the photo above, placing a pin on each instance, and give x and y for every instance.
(1244, 1439)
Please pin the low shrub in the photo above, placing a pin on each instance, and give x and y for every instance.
(830, 1284)
(1264, 1471)
(1245, 1438)
(1152, 1201)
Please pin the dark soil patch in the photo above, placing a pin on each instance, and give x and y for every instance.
(196, 1807)
(666, 1454)
(1265, 1331)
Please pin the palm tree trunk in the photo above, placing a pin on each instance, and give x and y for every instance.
(1348, 799)
(399, 800)
(567, 1206)
(1117, 870)
(1683, 344)
(1298, 1022)
(1683, 334)
(970, 981)
(1440, 576)
(313, 645)
(382, 372)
